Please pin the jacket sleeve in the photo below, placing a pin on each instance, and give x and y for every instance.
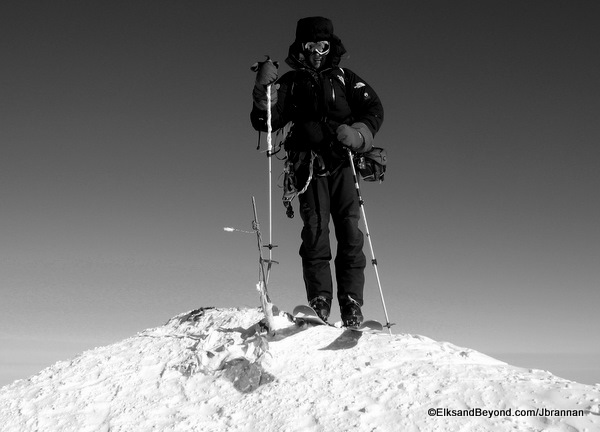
(365, 104)
(280, 112)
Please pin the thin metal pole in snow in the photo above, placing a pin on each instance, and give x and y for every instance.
(368, 234)
(262, 277)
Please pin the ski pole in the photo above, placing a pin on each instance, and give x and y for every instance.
(269, 150)
(368, 234)
(255, 68)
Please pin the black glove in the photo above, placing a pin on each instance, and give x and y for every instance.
(266, 74)
(266, 71)
(357, 137)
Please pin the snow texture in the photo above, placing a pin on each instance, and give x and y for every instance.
(216, 370)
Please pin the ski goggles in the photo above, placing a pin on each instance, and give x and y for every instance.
(321, 47)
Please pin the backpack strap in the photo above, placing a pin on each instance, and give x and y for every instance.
(290, 180)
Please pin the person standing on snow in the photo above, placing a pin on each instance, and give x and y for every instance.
(331, 110)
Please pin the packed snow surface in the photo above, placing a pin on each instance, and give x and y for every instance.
(216, 370)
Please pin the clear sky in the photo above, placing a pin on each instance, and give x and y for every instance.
(126, 147)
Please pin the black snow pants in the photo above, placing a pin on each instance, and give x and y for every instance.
(332, 197)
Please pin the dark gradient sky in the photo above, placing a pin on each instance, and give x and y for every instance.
(126, 148)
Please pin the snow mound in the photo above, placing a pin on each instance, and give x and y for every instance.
(215, 369)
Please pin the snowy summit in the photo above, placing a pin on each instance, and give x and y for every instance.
(215, 370)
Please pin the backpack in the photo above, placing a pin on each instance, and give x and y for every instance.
(372, 164)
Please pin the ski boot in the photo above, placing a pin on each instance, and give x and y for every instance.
(322, 307)
(351, 314)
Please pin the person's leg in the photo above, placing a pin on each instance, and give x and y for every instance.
(315, 249)
(350, 260)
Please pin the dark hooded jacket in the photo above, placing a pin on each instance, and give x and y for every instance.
(318, 101)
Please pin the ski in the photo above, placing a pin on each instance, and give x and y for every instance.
(368, 326)
(306, 314)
